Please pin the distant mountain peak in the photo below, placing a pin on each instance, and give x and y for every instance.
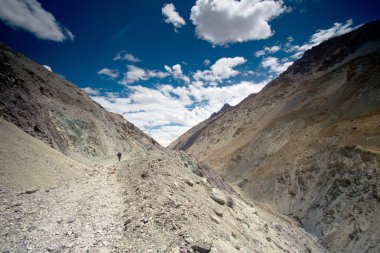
(224, 108)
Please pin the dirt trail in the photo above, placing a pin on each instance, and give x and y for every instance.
(152, 201)
(79, 215)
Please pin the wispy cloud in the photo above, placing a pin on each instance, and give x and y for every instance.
(30, 16)
(275, 65)
(172, 16)
(267, 50)
(318, 37)
(206, 62)
(122, 31)
(135, 74)
(91, 91)
(124, 55)
(109, 73)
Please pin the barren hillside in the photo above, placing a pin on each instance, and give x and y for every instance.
(309, 143)
(152, 201)
(55, 111)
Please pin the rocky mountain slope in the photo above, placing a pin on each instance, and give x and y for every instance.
(309, 143)
(55, 111)
(28, 164)
(63, 190)
(155, 202)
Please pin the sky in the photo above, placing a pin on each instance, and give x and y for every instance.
(168, 65)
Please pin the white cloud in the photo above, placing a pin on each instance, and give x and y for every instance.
(109, 73)
(206, 62)
(176, 72)
(91, 91)
(220, 70)
(267, 50)
(165, 112)
(172, 16)
(221, 22)
(260, 53)
(124, 55)
(336, 30)
(167, 134)
(135, 74)
(275, 65)
(30, 16)
(47, 67)
(318, 37)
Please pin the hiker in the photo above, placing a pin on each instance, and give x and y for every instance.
(119, 156)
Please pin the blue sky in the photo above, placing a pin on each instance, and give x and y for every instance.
(167, 65)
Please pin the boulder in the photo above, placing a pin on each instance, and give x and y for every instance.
(218, 212)
(218, 197)
(215, 219)
(201, 247)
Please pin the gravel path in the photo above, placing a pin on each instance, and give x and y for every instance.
(79, 215)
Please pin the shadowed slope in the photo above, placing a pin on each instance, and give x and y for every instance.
(308, 143)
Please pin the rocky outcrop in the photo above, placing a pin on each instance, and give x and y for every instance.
(308, 144)
(225, 108)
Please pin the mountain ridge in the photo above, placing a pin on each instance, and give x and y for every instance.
(307, 144)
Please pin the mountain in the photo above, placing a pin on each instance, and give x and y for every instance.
(187, 139)
(308, 144)
(55, 111)
(62, 188)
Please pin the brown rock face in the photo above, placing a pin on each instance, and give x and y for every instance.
(54, 110)
(309, 143)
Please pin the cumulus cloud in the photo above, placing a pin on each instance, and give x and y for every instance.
(135, 74)
(318, 37)
(222, 22)
(267, 50)
(172, 16)
(30, 16)
(124, 55)
(109, 73)
(91, 91)
(176, 72)
(275, 65)
(47, 67)
(220, 70)
(165, 112)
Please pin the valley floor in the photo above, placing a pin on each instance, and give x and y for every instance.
(154, 201)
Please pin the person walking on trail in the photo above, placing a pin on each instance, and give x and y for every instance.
(119, 156)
